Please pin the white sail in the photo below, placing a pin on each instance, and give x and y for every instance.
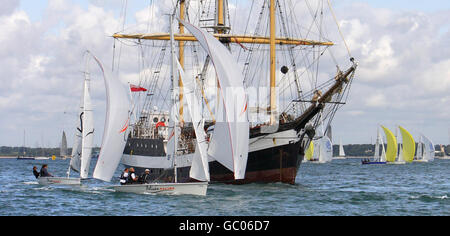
(116, 126)
(200, 166)
(326, 150)
(230, 140)
(383, 153)
(419, 152)
(88, 132)
(428, 151)
(400, 155)
(75, 161)
(63, 149)
(379, 142)
(341, 149)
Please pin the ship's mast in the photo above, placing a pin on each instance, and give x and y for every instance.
(181, 58)
(273, 105)
(174, 97)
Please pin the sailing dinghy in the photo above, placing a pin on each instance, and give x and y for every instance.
(425, 150)
(83, 142)
(377, 158)
(341, 154)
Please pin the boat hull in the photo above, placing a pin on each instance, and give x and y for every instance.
(373, 163)
(199, 188)
(58, 181)
(270, 160)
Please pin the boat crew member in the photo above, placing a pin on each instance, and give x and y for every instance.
(35, 172)
(145, 177)
(132, 178)
(124, 177)
(44, 171)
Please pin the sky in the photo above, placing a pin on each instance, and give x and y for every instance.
(403, 50)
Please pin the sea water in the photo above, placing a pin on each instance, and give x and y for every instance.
(342, 187)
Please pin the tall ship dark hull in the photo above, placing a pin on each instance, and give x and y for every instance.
(272, 158)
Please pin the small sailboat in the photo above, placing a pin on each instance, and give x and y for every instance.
(408, 147)
(341, 154)
(323, 151)
(83, 142)
(392, 147)
(23, 154)
(425, 150)
(63, 148)
(444, 155)
(309, 152)
(377, 158)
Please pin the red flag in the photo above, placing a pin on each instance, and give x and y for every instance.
(135, 88)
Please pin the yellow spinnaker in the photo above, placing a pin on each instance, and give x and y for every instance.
(309, 153)
(409, 145)
(391, 152)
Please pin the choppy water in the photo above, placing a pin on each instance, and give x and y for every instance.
(343, 187)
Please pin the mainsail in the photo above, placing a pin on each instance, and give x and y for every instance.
(341, 149)
(87, 140)
(75, 161)
(116, 126)
(63, 149)
(409, 145)
(391, 152)
(200, 166)
(231, 130)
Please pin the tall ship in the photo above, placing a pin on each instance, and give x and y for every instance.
(292, 80)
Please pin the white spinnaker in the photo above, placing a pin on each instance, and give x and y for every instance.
(428, 152)
(116, 126)
(231, 135)
(88, 132)
(200, 166)
(75, 161)
(326, 150)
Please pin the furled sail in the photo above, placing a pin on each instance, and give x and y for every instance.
(87, 140)
(116, 126)
(409, 145)
(428, 151)
(200, 166)
(63, 149)
(391, 152)
(230, 140)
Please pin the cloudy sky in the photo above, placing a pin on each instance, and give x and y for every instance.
(403, 49)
